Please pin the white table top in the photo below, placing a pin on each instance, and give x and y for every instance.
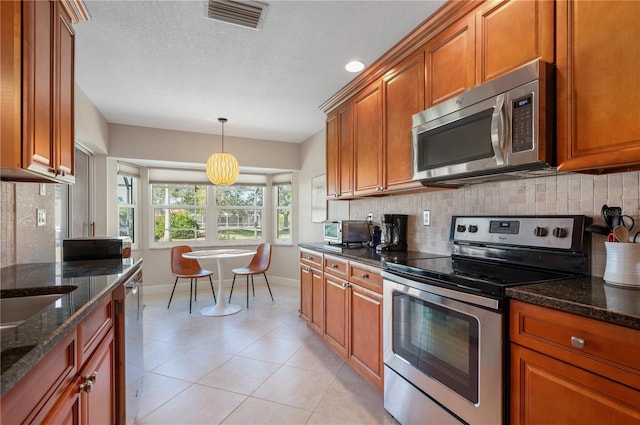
(219, 253)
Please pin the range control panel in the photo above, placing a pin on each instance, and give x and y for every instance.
(530, 231)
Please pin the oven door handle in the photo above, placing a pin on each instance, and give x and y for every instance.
(498, 130)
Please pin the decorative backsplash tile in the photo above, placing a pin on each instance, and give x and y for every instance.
(558, 194)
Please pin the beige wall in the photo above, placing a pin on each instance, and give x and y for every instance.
(312, 159)
(91, 129)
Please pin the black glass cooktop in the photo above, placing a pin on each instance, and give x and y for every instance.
(472, 275)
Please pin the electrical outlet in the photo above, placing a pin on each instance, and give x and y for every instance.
(426, 218)
(370, 218)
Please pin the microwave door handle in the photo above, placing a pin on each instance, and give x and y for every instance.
(497, 129)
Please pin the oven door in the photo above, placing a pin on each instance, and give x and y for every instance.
(447, 347)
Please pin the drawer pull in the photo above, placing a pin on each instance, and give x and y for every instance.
(335, 266)
(577, 342)
(365, 276)
(346, 285)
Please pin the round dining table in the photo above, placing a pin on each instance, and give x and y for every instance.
(221, 307)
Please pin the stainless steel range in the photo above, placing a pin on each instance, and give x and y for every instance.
(445, 321)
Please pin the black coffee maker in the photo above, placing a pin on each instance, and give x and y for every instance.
(394, 232)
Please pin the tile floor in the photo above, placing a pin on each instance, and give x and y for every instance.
(259, 366)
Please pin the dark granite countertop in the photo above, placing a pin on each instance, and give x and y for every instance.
(368, 255)
(589, 296)
(85, 284)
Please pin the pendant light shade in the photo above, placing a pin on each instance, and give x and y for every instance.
(222, 167)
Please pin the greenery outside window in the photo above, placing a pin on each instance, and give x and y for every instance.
(127, 195)
(239, 212)
(179, 212)
(283, 213)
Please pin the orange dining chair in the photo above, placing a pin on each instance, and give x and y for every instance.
(187, 268)
(259, 265)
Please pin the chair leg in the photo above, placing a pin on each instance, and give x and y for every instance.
(172, 291)
(253, 288)
(247, 291)
(213, 290)
(232, 283)
(190, 293)
(195, 292)
(265, 278)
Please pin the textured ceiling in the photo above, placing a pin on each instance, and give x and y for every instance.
(161, 64)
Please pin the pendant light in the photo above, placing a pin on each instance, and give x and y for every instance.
(222, 167)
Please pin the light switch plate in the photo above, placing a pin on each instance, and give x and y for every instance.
(426, 218)
(41, 215)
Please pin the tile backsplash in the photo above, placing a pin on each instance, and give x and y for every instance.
(558, 194)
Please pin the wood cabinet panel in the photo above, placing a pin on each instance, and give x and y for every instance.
(306, 292)
(311, 258)
(450, 62)
(403, 97)
(512, 33)
(548, 391)
(63, 81)
(332, 155)
(366, 276)
(317, 301)
(336, 266)
(598, 56)
(365, 330)
(98, 401)
(335, 313)
(367, 152)
(345, 122)
(94, 327)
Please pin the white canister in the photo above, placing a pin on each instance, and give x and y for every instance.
(623, 264)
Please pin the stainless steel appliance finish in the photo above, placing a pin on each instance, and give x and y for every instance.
(444, 319)
(394, 233)
(344, 232)
(503, 128)
(134, 357)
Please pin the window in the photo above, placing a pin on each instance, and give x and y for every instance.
(283, 214)
(179, 212)
(127, 189)
(239, 212)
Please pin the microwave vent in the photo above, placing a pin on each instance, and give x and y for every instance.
(245, 13)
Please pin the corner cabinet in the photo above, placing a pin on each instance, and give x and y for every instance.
(598, 58)
(569, 369)
(38, 92)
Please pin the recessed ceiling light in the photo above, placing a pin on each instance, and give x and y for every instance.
(354, 66)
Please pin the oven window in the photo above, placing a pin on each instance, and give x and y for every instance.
(461, 141)
(440, 342)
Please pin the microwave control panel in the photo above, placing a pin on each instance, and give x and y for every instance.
(522, 124)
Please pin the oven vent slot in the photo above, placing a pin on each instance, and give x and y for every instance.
(245, 13)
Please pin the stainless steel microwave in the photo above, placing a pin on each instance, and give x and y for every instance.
(501, 129)
(345, 231)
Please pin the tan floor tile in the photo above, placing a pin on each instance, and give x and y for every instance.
(157, 390)
(316, 357)
(295, 387)
(255, 411)
(192, 365)
(198, 404)
(241, 375)
(351, 407)
(275, 350)
(159, 352)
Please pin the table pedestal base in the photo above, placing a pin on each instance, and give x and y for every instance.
(221, 310)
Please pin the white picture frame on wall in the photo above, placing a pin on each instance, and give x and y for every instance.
(319, 198)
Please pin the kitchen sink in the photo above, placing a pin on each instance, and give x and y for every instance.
(17, 305)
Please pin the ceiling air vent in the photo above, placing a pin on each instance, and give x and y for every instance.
(244, 13)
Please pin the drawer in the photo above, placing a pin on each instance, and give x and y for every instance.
(336, 266)
(311, 258)
(94, 327)
(365, 276)
(603, 348)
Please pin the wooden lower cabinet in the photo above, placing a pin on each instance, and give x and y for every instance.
(365, 329)
(335, 313)
(569, 369)
(311, 290)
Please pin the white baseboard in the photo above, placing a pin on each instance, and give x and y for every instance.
(183, 284)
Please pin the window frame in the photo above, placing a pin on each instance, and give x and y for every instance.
(135, 206)
(276, 210)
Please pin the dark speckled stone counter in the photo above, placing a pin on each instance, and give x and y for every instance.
(590, 297)
(88, 282)
(368, 255)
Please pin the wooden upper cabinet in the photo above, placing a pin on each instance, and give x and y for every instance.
(332, 155)
(345, 124)
(367, 147)
(450, 62)
(63, 81)
(512, 33)
(598, 59)
(403, 97)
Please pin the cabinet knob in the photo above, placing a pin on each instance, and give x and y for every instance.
(88, 382)
(345, 285)
(577, 342)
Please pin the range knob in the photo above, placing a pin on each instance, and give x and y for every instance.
(540, 231)
(473, 228)
(559, 232)
(461, 228)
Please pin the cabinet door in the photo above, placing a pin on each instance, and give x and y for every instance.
(367, 116)
(512, 33)
(306, 292)
(67, 411)
(450, 61)
(332, 155)
(403, 97)
(365, 330)
(98, 398)
(317, 302)
(335, 313)
(37, 113)
(63, 80)
(598, 58)
(547, 391)
(345, 123)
